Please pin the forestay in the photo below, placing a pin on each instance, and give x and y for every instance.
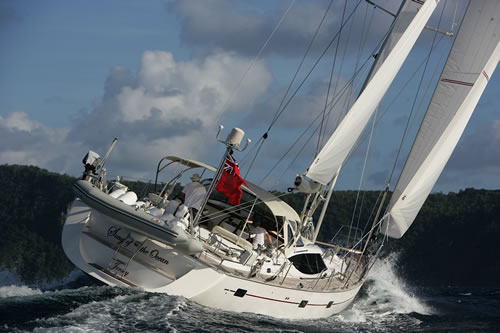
(472, 61)
(335, 151)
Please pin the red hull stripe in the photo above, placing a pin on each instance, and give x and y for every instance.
(463, 83)
(287, 302)
(486, 76)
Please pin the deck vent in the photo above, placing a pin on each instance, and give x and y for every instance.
(303, 304)
(329, 305)
(240, 292)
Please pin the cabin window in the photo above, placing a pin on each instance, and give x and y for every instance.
(308, 263)
(290, 235)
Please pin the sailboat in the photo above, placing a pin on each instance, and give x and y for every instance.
(202, 249)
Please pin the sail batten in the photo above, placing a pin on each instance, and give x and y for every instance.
(472, 61)
(338, 147)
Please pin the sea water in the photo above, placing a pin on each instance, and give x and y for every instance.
(385, 304)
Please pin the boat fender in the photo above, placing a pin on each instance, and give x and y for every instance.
(119, 192)
(191, 246)
(156, 212)
(128, 198)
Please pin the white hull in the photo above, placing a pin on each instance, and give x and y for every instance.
(111, 253)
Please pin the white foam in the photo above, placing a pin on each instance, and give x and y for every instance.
(72, 276)
(391, 293)
(7, 278)
(179, 303)
(13, 290)
(384, 297)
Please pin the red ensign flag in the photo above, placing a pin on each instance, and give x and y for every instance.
(230, 181)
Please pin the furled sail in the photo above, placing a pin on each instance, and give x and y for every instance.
(472, 60)
(335, 151)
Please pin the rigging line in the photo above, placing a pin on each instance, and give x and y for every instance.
(333, 102)
(313, 67)
(369, 151)
(454, 22)
(402, 89)
(379, 45)
(348, 97)
(250, 152)
(276, 115)
(261, 143)
(374, 208)
(330, 82)
(359, 242)
(299, 152)
(361, 46)
(405, 133)
(371, 158)
(364, 35)
(328, 116)
(362, 174)
(310, 125)
(254, 61)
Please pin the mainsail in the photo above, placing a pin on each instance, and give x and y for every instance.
(472, 61)
(335, 151)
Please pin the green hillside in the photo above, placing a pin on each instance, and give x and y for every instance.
(454, 240)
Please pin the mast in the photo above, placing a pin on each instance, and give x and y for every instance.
(404, 31)
(472, 61)
(336, 150)
(325, 207)
(232, 141)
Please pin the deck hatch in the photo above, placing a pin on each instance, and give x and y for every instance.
(240, 292)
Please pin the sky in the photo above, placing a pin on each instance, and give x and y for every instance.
(163, 75)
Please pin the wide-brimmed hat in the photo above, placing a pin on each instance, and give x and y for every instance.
(195, 177)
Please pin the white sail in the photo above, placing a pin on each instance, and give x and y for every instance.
(472, 60)
(405, 15)
(335, 151)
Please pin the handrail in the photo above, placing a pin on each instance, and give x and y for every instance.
(338, 246)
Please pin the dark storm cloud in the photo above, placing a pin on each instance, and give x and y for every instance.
(17, 139)
(222, 24)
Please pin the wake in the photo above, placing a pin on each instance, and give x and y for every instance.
(384, 296)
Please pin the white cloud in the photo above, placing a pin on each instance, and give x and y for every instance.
(169, 108)
(19, 121)
(27, 141)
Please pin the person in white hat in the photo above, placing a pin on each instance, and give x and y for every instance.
(194, 192)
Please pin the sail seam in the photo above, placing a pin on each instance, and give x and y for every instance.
(463, 83)
(486, 75)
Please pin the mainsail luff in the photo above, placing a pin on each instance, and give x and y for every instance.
(336, 150)
(472, 60)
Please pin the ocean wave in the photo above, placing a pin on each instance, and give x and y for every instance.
(14, 291)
